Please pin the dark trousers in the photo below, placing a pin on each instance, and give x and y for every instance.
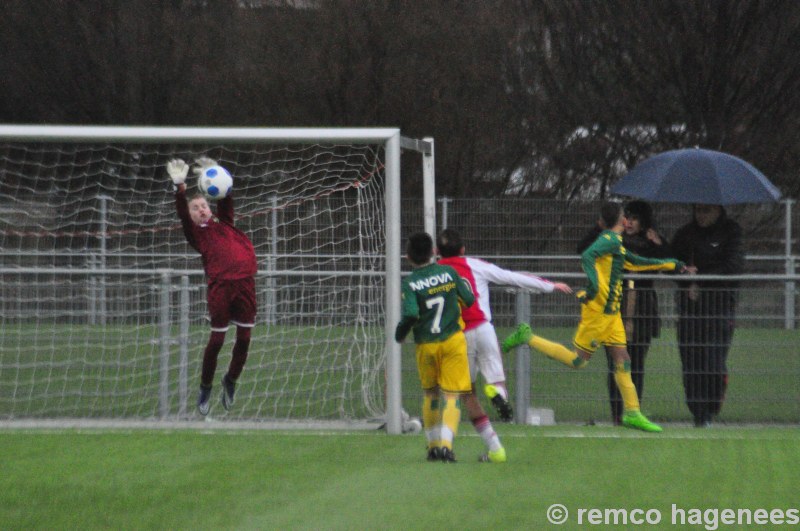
(704, 343)
(637, 352)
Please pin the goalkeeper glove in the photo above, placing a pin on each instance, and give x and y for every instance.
(581, 295)
(201, 163)
(177, 170)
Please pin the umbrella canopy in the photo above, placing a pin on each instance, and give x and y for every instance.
(698, 176)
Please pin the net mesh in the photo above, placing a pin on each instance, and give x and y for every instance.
(103, 301)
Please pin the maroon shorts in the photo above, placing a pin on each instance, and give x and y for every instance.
(232, 301)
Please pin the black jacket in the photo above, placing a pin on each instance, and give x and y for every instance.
(714, 250)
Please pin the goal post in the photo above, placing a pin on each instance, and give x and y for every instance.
(103, 300)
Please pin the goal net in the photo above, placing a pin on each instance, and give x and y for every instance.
(103, 311)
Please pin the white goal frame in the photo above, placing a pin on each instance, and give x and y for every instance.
(393, 143)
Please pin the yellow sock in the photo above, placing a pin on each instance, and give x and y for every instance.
(557, 351)
(622, 376)
(431, 420)
(451, 416)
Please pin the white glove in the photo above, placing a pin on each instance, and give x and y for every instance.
(177, 170)
(201, 163)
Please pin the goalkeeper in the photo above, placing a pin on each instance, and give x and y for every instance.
(229, 261)
(601, 323)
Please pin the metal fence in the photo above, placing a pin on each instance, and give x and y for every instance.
(541, 235)
(519, 227)
(537, 235)
(761, 369)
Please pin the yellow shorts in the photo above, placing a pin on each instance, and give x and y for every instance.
(597, 328)
(445, 364)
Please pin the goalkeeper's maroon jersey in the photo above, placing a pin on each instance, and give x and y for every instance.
(226, 251)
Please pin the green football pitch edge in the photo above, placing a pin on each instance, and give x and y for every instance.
(188, 479)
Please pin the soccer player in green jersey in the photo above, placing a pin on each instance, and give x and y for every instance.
(432, 299)
(601, 323)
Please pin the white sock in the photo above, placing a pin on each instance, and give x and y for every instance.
(484, 428)
(447, 436)
(433, 435)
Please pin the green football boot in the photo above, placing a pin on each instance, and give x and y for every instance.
(521, 336)
(637, 421)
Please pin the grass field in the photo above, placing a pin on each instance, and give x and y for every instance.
(764, 385)
(115, 371)
(300, 372)
(222, 479)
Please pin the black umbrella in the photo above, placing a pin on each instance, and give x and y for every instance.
(698, 176)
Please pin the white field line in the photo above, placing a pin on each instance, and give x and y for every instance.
(338, 428)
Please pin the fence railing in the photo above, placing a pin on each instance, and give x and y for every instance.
(61, 347)
(740, 354)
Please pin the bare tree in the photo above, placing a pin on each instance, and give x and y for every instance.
(556, 98)
(628, 79)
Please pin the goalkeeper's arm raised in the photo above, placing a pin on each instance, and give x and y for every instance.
(178, 170)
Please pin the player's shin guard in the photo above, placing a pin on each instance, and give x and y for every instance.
(431, 420)
(451, 416)
(557, 351)
(210, 355)
(240, 350)
(622, 376)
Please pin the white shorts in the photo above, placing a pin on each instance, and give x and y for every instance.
(483, 351)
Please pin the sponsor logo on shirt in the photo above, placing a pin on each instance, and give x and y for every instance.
(432, 281)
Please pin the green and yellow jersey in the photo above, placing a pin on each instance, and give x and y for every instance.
(432, 296)
(604, 262)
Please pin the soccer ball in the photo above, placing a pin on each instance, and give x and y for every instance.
(412, 425)
(215, 182)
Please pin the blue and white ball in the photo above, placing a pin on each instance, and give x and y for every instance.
(215, 182)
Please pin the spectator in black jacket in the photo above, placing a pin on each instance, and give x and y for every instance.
(707, 309)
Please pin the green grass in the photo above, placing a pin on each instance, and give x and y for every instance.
(186, 479)
(764, 380)
(764, 386)
(300, 372)
(114, 371)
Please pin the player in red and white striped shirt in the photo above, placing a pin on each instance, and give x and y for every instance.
(229, 261)
(483, 348)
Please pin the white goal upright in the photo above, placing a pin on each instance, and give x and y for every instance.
(102, 302)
